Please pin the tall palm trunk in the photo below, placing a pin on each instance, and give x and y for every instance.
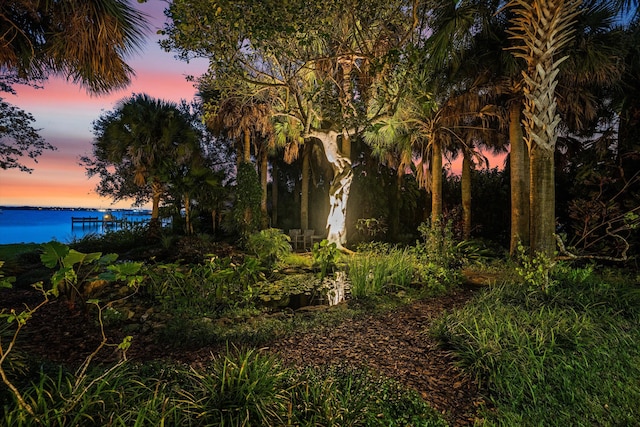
(187, 215)
(542, 197)
(339, 189)
(154, 224)
(274, 194)
(396, 201)
(465, 182)
(264, 164)
(519, 177)
(436, 182)
(156, 195)
(304, 196)
(246, 147)
(542, 27)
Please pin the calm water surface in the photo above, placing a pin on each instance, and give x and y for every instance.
(44, 225)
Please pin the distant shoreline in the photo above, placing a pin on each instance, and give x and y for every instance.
(58, 208)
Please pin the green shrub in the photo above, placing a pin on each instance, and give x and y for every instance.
(325, 256)
(246, 214)
(239, 388)
(269, 246)
(61, 398)
(207, 288)
(438, 258)
(438, 245)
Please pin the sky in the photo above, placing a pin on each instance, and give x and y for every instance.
(64, 113)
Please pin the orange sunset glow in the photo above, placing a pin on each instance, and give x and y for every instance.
(64, 114)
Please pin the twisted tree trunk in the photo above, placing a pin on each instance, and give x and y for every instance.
(339, 189)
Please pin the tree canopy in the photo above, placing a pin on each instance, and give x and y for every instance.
(18, 138)
(140, 147)
(85, 41)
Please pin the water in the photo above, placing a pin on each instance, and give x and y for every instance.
(43, 225)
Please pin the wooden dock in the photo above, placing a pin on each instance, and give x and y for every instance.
(95, 222)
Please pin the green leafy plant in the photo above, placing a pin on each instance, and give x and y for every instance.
(240, 388)
(325, 255)
(205, 288)
(76, 270)
(550, 361)
(371, 227)
(269, 246)
(5, 282)
(536, 271)
(437, 257)
(438, 245)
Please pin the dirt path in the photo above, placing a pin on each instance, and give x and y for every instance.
(394, 344)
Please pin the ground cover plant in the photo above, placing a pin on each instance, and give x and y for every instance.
(238, 388)
(553, 347)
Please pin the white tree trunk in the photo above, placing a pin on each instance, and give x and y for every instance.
(339, 190)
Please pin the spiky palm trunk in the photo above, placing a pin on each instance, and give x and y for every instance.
(542, 27)
(396, 202)
(246, 147)
(188, 226)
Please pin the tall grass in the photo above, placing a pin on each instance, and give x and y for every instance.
(378, 272)
(565, 355)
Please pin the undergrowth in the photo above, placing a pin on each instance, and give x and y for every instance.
(556, 355)
(238, 388)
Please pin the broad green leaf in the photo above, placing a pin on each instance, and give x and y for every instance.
(75, 257)
(61, 275)
(127, 268)
(52, 253)
(108, 259)
(109, 276)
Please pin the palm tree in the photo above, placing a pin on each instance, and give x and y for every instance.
(466, 49)
(246, 121)
(83, 40)
(541, 29)
(152, 136)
